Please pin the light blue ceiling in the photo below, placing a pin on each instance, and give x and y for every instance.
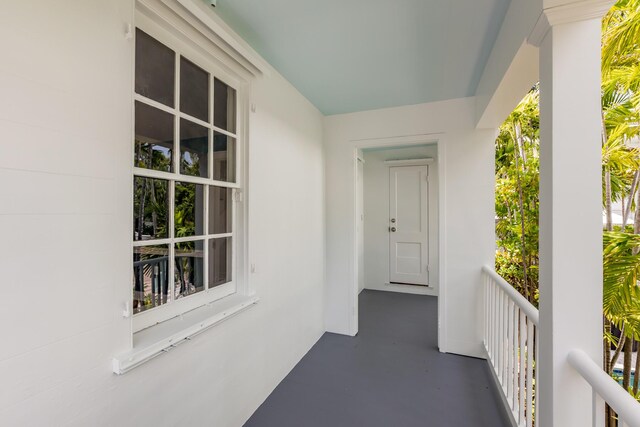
(355, 55)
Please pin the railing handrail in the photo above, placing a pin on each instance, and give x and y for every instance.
(528, 308)
(627, 408)
(151, 261)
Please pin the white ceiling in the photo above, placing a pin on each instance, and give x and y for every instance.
(355, 55)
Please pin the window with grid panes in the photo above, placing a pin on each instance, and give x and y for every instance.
(185, 169)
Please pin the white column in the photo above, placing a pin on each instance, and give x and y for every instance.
(570, 207)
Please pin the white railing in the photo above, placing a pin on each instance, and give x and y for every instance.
(605, 389)
(511, 344)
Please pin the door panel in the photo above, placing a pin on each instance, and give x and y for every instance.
(408, 225)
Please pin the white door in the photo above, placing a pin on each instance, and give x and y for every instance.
(408, 225)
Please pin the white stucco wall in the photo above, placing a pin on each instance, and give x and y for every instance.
(376, 219)
(65, 186)
(466, 172)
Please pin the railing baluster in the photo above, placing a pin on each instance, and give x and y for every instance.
(485, 309)
(597, 408)
(498, 333)
(490, 349)
(516, 349)
(493, 323)
(501, 337)
(505, 338)
(529, 413)
(154, 284)
(521, 368)
(536, 358)
(511, 341)
(510, 350)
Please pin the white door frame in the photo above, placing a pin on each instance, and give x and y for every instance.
(401, 141)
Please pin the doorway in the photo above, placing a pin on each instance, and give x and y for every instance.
(397, 219)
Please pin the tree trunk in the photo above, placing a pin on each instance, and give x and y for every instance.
(154, 215)
(518, 133)
(619, 347)
(607, 199)
(607, 180)
(636, 377)
(609, 416)
(627, 208)
(626, 371)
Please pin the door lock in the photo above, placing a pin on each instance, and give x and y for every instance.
(393, 220)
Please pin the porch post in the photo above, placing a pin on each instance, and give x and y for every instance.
(570, 206)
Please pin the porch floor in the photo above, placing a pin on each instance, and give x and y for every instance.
(390, 374)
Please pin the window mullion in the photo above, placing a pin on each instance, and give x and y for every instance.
(172, 186)
(234, 202)
(205, 252)
(172, 249)
(211, 118)
(176, 139)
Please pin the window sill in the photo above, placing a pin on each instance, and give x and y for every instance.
(158, 339)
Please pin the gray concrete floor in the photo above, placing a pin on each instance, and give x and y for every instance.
(391, 374)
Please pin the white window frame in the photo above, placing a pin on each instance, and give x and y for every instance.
(238, 284)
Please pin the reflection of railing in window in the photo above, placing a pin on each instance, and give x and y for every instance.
(189, 273)
(151, 287)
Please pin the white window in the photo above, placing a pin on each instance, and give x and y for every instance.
(186, 176)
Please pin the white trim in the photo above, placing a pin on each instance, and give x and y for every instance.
(410, 162)
(171, 176)
(427, 138)
(155, 341)
(222, 30)
(566, 13)
(162, 22)
(442, 250)
(154, 316)
(405, 140)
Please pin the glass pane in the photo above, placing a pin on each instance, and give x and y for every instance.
(189, 213)
(154, 138)
(189, 268)
(155, 69)
(150, 277)
(219, 210)
(150, 208)
(224, 157)
(219, 261)
(194, 90)
(194, 149)
(224, 106)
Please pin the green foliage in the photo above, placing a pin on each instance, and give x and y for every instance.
(621, 294)
(517, 179)
(620, 95)
(517, 204)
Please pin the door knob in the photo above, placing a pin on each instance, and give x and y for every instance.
(393, 229)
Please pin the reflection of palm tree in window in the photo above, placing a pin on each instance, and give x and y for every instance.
(188, 220)
(194, 149)
(150, 222)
